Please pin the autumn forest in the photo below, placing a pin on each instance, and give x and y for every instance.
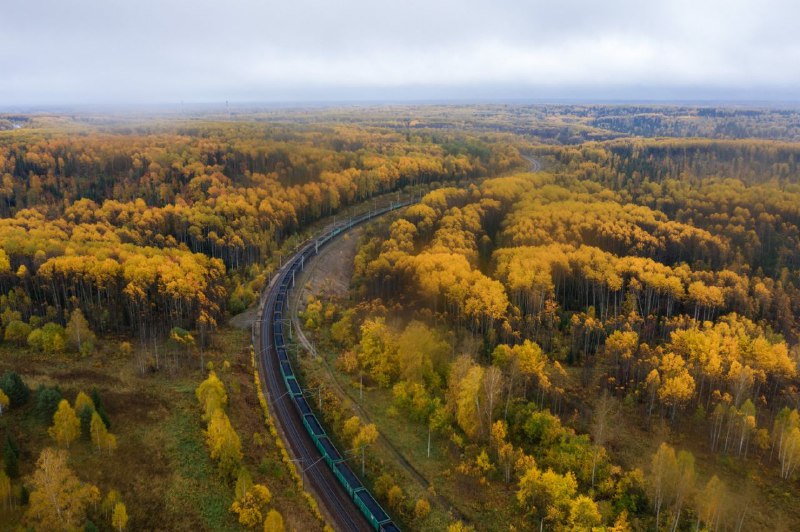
(584, 319)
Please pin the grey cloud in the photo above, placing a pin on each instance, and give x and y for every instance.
(62, 51)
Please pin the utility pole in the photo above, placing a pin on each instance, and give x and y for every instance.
(429, 440)
(362, 460)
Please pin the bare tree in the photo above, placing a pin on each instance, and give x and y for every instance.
(604, 417)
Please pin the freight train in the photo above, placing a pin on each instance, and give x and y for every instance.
(373, 511)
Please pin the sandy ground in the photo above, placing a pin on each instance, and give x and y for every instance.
(331, 271)
(244, 320)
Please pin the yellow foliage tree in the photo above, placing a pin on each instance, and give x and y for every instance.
(367, 435)
(377, 351)
(224, 444)
(420, 350)
(422, 509)
(664, 473)
(58, 500)
(119, 517)
(83, 401)
(249, 507)
(274, 522)
(101, 438)
(211, 395)
(66, 425)
(711, 502)
(109, 501)
(547, 494)
(79, 335)
(583, 514)
(244, 483)
(677, 385)
(467, 396)
(351, 427)
(621, 524)
(395, 497)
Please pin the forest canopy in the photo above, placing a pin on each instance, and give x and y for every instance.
(146, 229)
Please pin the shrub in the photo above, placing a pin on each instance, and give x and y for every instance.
(383, 484)
(422, 509)
(54, 338)
(17, 332)
(395, 497)
(35, 339)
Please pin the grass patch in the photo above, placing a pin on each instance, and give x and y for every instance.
(195, 483)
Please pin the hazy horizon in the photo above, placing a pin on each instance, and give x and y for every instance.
(166, 52)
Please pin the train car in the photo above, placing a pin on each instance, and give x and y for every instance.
(302, 405)
(283, 356)
(293, 387)
(279, 340)
(328, 450)
(289, 375)
(371, 509)
(347, 478)
(313, 426)
(389, 527)
(286, 369)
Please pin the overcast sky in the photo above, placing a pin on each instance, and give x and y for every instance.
(162, 51)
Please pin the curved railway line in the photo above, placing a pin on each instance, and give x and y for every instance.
(345, 500)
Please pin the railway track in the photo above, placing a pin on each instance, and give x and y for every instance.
(343, 499)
